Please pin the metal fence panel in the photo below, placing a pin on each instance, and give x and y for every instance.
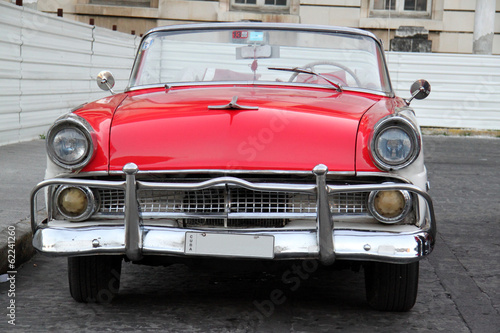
(49, 64)
(56, 54)
(464, 87)
(10, 74)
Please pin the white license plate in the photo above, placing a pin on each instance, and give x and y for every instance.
(229, 245)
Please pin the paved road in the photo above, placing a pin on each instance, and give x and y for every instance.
(459, 287)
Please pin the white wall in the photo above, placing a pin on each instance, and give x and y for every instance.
(48, 65)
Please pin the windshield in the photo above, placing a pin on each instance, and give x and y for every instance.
(261, 56)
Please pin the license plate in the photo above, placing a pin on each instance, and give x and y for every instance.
(229, 245)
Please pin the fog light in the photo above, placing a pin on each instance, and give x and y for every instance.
(389, 206)
(75, 203)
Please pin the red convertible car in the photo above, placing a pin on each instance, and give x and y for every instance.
(242, 141)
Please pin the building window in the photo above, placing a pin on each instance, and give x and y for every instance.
(263, 6)
(400, 8)
(126, 3)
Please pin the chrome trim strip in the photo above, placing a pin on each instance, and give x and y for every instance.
(229, 215)
(230, 172)
(270, 187)
(263, 25)
(383, 174)
(84, 174)
(171, 85)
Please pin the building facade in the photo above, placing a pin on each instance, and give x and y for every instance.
(403, 25)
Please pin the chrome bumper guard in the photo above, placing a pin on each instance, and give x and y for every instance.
(134, 240)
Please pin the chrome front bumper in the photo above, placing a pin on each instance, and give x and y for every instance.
(326, 243)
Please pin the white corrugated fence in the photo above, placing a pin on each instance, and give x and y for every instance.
(48, 65)
(465, 88)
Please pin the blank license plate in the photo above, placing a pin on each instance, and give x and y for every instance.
(229, 245)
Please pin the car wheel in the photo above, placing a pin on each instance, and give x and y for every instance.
(391, 287)
(94, 279)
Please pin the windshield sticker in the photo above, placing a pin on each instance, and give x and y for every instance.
(239, 34)
(147, 43)
(256, 36)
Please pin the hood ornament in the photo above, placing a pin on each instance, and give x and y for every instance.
(233, 105)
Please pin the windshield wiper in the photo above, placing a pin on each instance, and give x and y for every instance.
(337, 86)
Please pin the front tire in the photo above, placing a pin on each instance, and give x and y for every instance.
(391, 287)
(94, 279)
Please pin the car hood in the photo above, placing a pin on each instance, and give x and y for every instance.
(292, 129)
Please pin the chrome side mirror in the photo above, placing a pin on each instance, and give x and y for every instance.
(420, 89)
(106, 81)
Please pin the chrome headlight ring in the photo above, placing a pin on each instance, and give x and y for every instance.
(395, 143)
(75, 203)
(375, 211)
(70, 142)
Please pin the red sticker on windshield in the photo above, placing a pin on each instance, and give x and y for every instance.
(239, 34)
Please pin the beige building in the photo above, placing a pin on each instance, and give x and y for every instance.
(450, 24)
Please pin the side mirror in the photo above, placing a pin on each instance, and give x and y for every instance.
(420, 89)
(106, 81)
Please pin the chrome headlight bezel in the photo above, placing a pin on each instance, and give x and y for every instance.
(390, 220)
(92, 203)
(399, 123)
(77, 124)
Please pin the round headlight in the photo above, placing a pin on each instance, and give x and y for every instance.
(70, 145)
(395, 144)
(69, 142)
(75, 203)
(389, 206)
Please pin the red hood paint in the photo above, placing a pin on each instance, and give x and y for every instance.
(99, 115)
(293, 129)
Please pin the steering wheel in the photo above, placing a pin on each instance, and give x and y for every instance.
(311, 66)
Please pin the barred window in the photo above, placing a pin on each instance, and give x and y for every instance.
(264, 6)
(400, 8)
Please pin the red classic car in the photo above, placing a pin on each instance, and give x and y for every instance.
(242, 141)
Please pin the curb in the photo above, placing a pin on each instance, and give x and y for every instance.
(23, 249)
(465, 132)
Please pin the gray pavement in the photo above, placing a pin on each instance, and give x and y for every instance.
(22, 166)
(459, 282)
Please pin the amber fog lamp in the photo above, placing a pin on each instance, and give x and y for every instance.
(75, 203)
(389, 206)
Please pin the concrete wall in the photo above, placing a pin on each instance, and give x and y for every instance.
(48, 65)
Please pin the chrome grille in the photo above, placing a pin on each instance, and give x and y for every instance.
(247, 201)
(235, 223)
(230, 201)
(112, 201)
(203, 201)
(349, 203)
